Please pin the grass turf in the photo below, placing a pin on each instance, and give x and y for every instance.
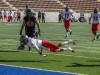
(86, 60)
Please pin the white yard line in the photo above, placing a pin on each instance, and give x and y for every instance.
(53, 54)
(13, 24)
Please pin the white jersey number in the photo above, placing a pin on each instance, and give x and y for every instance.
(66, 15)
(95, 18)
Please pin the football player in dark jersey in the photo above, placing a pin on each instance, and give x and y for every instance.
(29, 22)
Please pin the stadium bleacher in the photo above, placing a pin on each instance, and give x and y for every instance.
(82, 5)
(45, 5)
(86, 6)
(4, 6)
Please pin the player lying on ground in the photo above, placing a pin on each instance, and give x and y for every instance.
(39, 45)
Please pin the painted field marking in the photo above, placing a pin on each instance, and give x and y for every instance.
(19, 70)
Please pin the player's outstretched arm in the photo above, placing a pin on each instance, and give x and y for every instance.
(38, 25)
(22, 27)
(44, 55)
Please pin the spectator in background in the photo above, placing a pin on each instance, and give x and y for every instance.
(10, 16)
(14, 16)
(1, 17)
(60, 17)
(43, 17)
(5, 15)
(39, 15)
(18, 15)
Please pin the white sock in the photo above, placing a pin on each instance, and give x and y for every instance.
(69, 49)
(70, 30)
(67, 33)
(69, 41)
(95, 36)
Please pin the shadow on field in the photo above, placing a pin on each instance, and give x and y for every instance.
(35, 61)
(82, 65)
(93, 60)
(9, 51)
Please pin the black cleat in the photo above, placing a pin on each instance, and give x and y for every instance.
(70, 32)
(93, 40)
(66, 37)
(29, 49)
(97, 36)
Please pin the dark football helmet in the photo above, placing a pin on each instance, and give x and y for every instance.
(67, 8)
(23, 39)
(95, 10)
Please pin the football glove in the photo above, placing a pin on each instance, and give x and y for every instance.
(20, 32)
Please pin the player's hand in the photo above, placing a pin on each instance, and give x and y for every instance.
(45, 55)
(20, 32)
(39, 32)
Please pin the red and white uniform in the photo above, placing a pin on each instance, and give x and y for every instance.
(1, 14)
(5, 14)
(68, 16)
(95, 22)
(36, 43)
(18, 15)
(9, 16)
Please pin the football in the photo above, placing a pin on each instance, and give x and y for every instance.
(21, 47)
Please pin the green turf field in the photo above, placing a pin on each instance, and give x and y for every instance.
(86, 60)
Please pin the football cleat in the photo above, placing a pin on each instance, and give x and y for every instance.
(70, 32)
(66, 37)
(29, 49)
(93, 40)
(97, 36)
(74, 42)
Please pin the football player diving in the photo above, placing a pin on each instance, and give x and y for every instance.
(39, 45)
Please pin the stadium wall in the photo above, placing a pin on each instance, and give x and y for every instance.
(53, 16)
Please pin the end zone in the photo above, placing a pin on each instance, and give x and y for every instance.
(18, 70)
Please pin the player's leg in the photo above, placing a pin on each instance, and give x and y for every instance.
(67, 26)
(95, 28)
(98, 26)
(2, 18)
(52, 47)
(66, 42)
(65, 49)
(28, 34)
(42, 19)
